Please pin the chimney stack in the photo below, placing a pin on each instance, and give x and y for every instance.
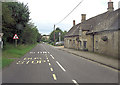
(83, 17)
(73, 22)
(110, 6)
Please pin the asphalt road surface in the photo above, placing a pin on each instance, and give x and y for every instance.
(47, 64)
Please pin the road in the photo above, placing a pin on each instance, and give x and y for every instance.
(47, 64)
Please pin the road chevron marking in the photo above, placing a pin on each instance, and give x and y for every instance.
(60, 66)
(75, 82)
(54, 77)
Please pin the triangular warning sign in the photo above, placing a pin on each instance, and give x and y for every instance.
(15, 36)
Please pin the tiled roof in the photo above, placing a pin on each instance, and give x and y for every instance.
(102, 22)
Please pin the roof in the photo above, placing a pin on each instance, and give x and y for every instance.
(101, 22)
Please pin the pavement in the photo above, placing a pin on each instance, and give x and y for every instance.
(48, 65)
(104, 60)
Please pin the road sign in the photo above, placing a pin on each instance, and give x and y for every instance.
(15, 36)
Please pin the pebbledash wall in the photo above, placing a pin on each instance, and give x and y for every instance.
(100, 36)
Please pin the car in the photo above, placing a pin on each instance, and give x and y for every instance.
(59, 43)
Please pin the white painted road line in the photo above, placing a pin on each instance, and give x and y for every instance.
(52, 57)
(27, 62)
(49, 64)
(75, 82)
(47, 60)
(54, 77)
(60, 66)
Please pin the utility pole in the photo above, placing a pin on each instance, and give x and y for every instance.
(59, 37)
(54, 34)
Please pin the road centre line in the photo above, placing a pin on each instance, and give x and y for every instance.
(54, 77)
(60, 66)
(52, 57)
(75, 82)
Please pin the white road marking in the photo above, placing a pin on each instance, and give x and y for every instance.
(38, 52)
(39, 61)
(44, 61)
(75, 82)
(31, 52)
(52, 57)
(49, 64)
(35, 58)
(48, 52)
(27, 62)
(51, 69)
(29, 58)
(47, 60)
(60, 66)
(24, 58)
(54, 77)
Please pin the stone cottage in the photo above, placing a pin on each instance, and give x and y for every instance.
(98, 34)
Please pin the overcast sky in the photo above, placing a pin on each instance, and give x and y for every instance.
(46, 13)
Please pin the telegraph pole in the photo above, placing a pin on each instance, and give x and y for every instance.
(54, 34)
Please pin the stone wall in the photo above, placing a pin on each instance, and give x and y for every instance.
(107, 47)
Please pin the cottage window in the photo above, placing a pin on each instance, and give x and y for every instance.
(80, 32)
(85, 44)
(73, 42)
(96, 45)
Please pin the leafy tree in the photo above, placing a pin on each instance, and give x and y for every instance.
(30, 34)
(57, 31)
(15, 20)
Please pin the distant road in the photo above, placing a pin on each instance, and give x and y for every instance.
(46, 64)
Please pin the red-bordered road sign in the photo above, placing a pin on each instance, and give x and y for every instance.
(15, 37)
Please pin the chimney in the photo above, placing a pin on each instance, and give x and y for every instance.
(110, 6)
(83, 17)
(73, 22)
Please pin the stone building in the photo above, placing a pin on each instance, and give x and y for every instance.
(98, 34)
(46, 37)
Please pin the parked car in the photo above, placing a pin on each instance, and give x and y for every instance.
(59, 43)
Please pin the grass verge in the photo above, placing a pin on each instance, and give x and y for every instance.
(10, 53)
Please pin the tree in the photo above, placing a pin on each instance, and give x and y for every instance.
(57, 31)
(15, 20)
(30, 34)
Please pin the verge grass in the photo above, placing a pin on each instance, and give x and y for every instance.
(10, 53)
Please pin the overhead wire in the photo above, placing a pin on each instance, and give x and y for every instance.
(70, 12)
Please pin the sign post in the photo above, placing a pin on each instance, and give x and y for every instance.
(1, 42)
(15, 37)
